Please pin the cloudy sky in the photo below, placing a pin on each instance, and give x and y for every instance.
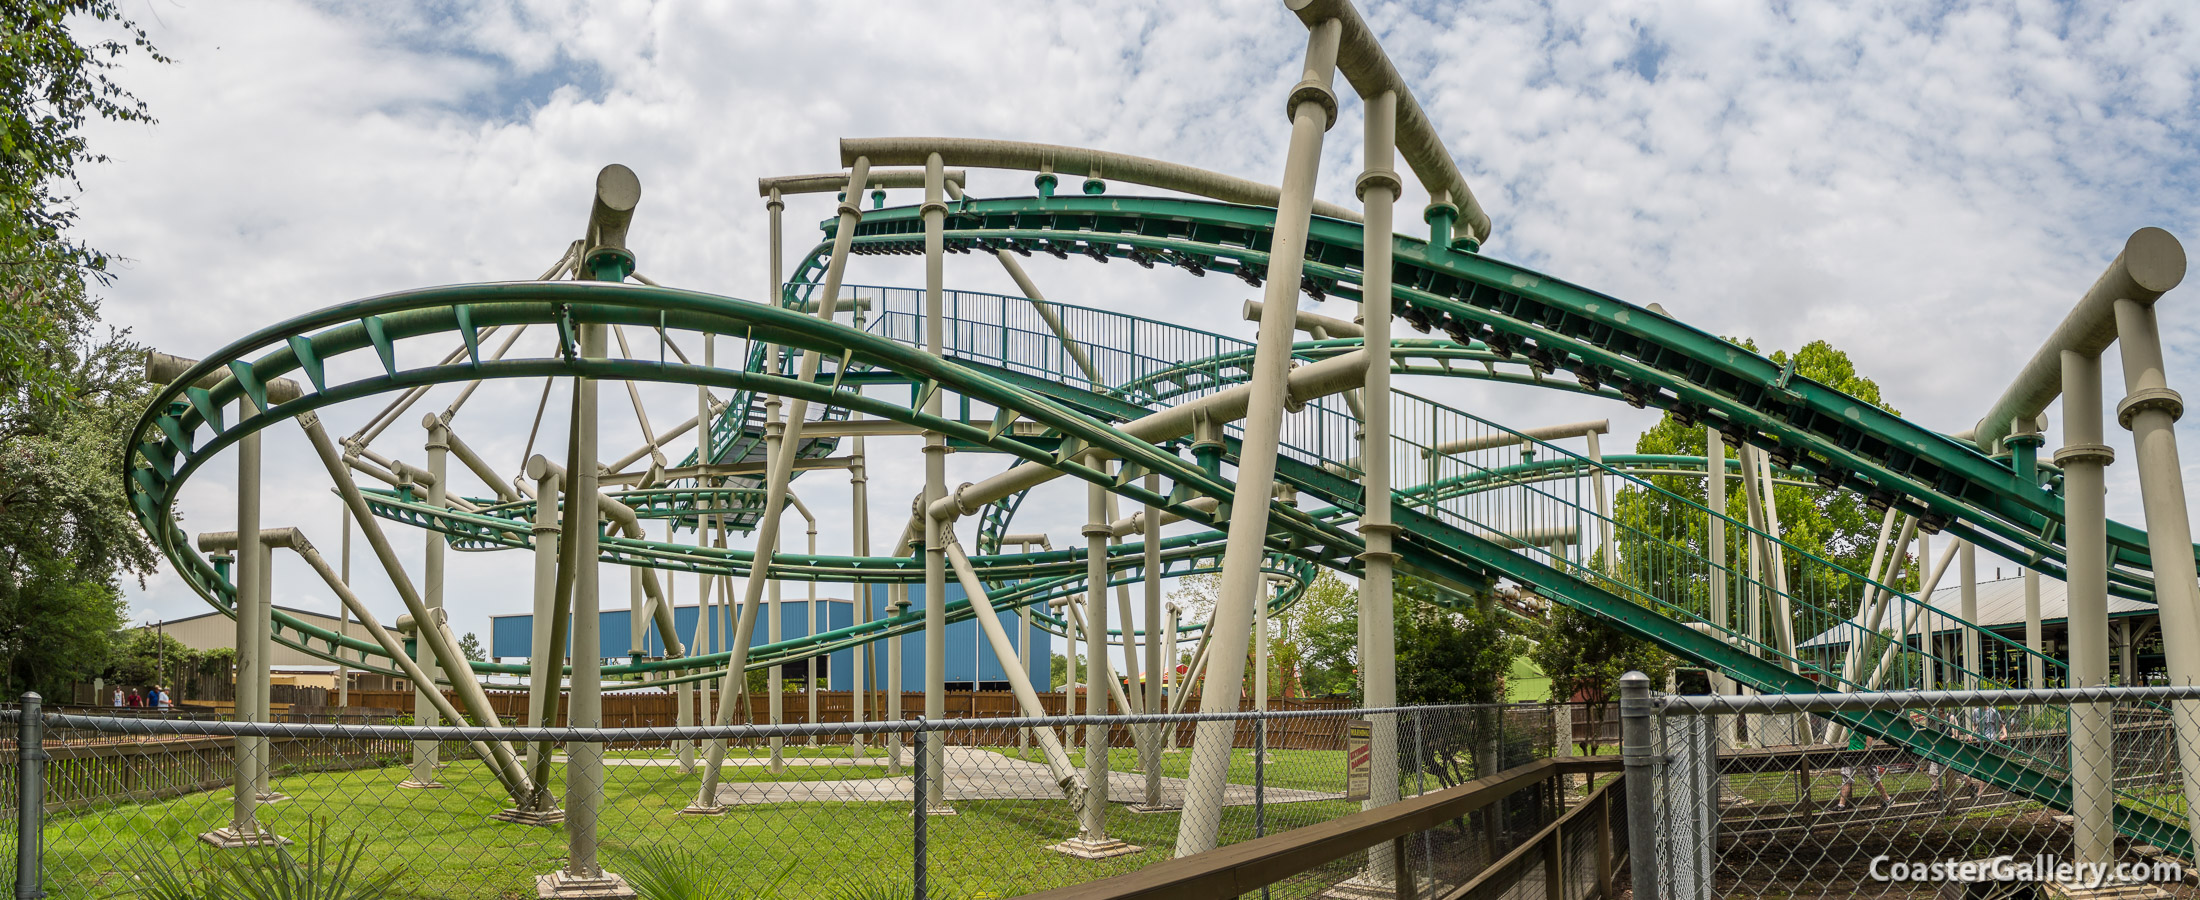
(1928, 187)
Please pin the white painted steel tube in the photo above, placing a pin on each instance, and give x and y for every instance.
(935, 487)
(1303, 384)
(251, 570)
(1507, 439)
(1260, 438)
(775, 499)
(1019, 680)
(1378, 189)
(2151, 263)
(1362, 60)
(2083, 458)
(2150, 410)
(1061, 160)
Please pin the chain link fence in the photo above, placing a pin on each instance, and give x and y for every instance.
(1945, 794)
(119, 805)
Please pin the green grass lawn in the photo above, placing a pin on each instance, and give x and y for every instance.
(446, 846)
(1304, 770)
(791, 751)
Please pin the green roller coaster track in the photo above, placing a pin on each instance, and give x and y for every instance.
(1470, 521)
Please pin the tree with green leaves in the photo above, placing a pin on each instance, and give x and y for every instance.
(1584, 659)
(69, 392)
(1836, 526)
(471, 647)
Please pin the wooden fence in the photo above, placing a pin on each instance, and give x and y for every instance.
(102, 770)
(648, 709)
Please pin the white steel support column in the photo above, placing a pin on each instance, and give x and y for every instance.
(1260, 646)
(265, 671)
(1601, 492)
(1149, 750)
(546, 655)
(1714, 460)
(733, 688)
(809, 684)
(2150, 410)
(935, 487)
(2083, 458)
(1094, 830)
(1378, 188)
(425, 759)
(343, 619)
(775, 687)
(584, 776)
(1313, 108)
(862, 674)
(1173, 687)
(1967, 557)
(1019, 681)
(2036, 662)
(897, 603)
(244, 826)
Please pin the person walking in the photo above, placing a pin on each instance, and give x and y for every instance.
(119, 699)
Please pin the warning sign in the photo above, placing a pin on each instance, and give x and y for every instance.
(1359, 758)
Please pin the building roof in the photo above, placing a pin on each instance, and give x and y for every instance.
(623, 608)
(2000, 605)
(215, 612)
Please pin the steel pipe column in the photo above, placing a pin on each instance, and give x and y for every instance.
(734, 687)
(425, 759)
(2083, 458)
(935, 488)
(2150, 410)
(1313, 110)
(1378, 188)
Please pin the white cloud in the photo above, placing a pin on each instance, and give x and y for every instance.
(1929, 193)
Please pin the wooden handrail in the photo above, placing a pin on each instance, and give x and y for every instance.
(1595, 800)
(1228, 872)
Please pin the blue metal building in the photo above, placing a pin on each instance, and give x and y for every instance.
(970, 661)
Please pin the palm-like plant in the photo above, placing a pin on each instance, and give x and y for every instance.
(320, 869)
(664, 873)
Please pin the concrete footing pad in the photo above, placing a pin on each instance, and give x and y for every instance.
(543, 818)
(696, 809)
(1162, 807)
(411, 785)
(606, 885)
(227, 838)
(271, 797)
(1100, 849)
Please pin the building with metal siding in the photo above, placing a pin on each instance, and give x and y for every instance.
(970, 661)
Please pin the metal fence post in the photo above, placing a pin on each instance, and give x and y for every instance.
(30, 808)
(922, 739)
(1634, 748)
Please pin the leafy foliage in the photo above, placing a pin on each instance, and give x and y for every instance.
(471, 647)
(67, 394)
(1836, 526)
(660, 872)
(51, 82)
(1450, 655)
(319, 868)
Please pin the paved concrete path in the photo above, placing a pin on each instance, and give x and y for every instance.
(975, 774)
(754, 762)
